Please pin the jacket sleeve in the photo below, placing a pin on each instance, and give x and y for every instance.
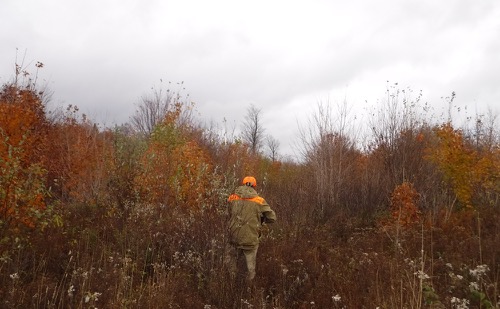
(269, 216)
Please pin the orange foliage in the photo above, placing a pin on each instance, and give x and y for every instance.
(23, 121)
(192, 174)
(178, 175)
(239, 155)
(467, 170)
(404, 209)
(81, 158)
(175, 169)
(420, 137)
(23, 140)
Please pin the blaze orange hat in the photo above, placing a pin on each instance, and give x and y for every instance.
(250, 181)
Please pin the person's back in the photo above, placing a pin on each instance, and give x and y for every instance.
(247, 212)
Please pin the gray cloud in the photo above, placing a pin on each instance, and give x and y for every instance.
(281, 56)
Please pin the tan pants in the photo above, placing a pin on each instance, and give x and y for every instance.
(241, 261)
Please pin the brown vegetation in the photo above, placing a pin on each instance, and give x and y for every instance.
(115, 218)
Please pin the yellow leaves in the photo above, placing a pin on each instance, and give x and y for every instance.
(175, 169)
(467, 170)
(192, 175)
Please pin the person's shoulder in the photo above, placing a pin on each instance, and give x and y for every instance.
(259, 200)
(233, 197)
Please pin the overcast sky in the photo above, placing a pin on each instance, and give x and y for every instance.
(281, 56)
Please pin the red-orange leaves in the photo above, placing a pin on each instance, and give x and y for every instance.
(404, 212)
(22, 123)
(404, 208)
(81, 158)
(23, 138)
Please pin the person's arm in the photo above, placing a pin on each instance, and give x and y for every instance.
(268, 215)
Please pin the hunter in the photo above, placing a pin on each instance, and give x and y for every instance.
(248, 212)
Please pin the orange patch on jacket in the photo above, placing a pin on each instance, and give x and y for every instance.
(234, 197)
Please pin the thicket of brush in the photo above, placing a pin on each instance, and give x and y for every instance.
(127, 217)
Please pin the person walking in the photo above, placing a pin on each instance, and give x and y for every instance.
(247, 214)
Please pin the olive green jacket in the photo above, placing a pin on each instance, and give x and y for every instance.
(247, 212)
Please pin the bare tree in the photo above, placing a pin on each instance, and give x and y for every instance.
(152, 109)
(253, 131)
(273, 146)
(24, 79)
(330, 152)
(397, 113)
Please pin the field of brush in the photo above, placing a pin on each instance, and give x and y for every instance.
(135, 216)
